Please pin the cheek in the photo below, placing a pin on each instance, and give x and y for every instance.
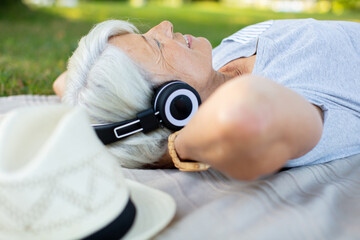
(177, 60)
(188, 62)
(187, 67)
(193, 67)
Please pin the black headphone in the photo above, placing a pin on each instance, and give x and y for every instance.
(173, 105)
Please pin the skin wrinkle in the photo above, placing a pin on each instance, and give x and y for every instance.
(171, 68)
(166, 63)
(159, 56)
(161, 60)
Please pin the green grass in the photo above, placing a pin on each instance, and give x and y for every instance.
(35, 44)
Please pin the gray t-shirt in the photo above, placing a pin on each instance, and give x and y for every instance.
(320, 60)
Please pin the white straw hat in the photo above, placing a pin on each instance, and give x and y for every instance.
(57, 181)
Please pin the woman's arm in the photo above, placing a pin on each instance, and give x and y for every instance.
(59, 84)
(249, 127)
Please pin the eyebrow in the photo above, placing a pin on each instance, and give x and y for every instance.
(147, 42)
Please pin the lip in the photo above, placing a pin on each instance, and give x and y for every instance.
(189, 38)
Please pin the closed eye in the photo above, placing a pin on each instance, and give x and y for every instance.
(148, 43)
(158, 43)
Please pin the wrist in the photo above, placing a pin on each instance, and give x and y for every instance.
(184, 164)
(180, 146)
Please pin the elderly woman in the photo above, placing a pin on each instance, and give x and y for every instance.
(281, 93)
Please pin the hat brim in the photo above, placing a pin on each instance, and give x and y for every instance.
(154, 210)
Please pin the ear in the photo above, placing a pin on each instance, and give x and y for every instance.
(176, 103)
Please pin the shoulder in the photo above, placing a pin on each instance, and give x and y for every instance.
(240, 44)
(245, 35)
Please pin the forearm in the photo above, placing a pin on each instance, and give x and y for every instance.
(250, 127)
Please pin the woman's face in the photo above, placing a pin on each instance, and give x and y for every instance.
(170, 56)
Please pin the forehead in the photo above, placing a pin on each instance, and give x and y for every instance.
(139, 50)
(136, 48)
(129, 42)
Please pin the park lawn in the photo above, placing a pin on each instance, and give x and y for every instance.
(35, 44)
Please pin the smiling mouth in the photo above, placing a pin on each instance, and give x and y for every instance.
(187, 41)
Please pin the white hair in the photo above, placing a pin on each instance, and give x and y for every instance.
(112, 88)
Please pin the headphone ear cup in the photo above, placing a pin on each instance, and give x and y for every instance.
(176, 103)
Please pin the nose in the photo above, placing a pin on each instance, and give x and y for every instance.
(164, 28)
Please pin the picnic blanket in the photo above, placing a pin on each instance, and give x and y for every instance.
(311, 202)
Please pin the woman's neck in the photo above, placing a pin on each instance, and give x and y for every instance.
(238, 67)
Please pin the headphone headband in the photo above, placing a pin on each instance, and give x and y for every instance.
(174, 103)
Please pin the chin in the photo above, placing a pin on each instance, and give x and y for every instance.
(206, 42)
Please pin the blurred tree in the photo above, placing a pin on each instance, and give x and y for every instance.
(346, 4)
(13, 9)
(137, 3)
(10, 3)
(350, 4)
(103, 0)
(7, 6)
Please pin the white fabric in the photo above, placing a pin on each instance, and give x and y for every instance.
(58, 181)
(312, 202)
(8, 103)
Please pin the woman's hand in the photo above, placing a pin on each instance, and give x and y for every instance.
(59, 85)
(250, 127)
